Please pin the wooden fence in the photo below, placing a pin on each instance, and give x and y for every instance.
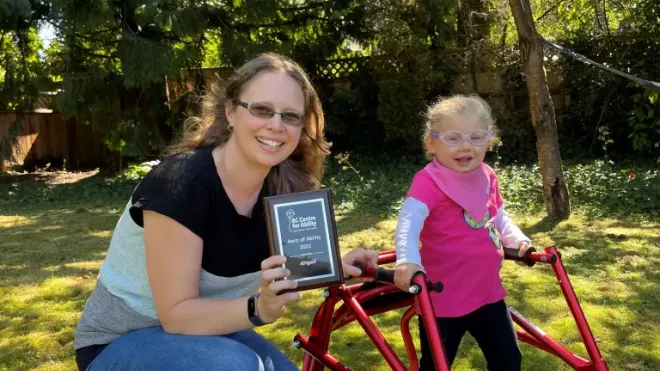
(48, 138)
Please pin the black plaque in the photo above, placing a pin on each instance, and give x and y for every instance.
(301, 226)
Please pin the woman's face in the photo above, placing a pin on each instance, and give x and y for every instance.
(267, 141)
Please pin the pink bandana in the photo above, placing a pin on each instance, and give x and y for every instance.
(469, 190)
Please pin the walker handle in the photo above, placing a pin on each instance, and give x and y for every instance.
(387, 276)
(530, 258)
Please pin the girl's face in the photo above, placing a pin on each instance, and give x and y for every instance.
(456, 152)
(263, 138)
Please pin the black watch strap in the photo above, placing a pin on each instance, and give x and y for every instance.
(252, 311)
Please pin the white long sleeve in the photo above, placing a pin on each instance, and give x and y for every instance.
(409, 226)
(510, 234)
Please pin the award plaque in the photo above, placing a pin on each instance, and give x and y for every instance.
(301, 226)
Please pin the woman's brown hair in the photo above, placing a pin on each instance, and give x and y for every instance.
(303, 170)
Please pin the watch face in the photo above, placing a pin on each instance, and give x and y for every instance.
(252, 306)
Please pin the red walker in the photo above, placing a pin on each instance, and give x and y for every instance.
(362, 300)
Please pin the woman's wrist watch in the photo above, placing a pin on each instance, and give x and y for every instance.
(253, 312)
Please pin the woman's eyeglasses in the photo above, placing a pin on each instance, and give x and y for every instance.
(264, 111)
(454, 138)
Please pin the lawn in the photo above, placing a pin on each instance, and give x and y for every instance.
(53, 238)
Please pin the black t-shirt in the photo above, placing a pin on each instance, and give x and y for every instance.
(186, 188)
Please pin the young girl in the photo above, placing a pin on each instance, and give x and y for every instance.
(455, 209)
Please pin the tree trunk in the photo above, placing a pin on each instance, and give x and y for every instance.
(542, 109)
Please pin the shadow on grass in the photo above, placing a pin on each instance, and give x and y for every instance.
(614, 267)
(49, 261)
(56, 243)
(39, 192)
(350, 344)
(544, 225)
(50, 253)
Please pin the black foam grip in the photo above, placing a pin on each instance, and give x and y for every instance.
(384, 275)
(512, 254)
(526, 257)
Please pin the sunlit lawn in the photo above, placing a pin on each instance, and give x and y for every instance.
(50, 255)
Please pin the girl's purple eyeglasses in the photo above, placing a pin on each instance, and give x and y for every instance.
(454, 138)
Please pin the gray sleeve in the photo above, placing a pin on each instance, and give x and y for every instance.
(409, 226)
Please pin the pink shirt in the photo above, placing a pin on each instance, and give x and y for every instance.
(465, 255)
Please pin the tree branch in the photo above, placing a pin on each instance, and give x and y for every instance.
(144, 39)
(245, 26)
(607, 22)
(2, 41)
(549, 10)
(617, 4)
(23, 46)
(91, 53)
(595, 5)
(504, 33)
(310, 6)
(96, 41)
(223, 21)
(88, 33)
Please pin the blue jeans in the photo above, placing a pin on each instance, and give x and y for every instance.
(154, 349)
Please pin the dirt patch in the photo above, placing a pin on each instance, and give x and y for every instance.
(48, 177)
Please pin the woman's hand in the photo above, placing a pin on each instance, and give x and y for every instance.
(365, 258)
(404, 273)
(270, 305)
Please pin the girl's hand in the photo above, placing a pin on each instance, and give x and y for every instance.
(522, 249)
(270, 305)
(404, 273)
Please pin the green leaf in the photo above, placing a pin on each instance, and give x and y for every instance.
(164, 20)
(653, 97)
(140, 9)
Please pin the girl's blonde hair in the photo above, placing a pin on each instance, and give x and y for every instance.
(302, 171)
(465, 105)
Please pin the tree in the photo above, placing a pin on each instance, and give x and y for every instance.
(22, 74)
(115, 57)
(411, 63)
(542, 109)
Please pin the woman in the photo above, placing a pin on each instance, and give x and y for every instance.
(188, 273)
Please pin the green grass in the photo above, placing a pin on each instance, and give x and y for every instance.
(53, 239)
